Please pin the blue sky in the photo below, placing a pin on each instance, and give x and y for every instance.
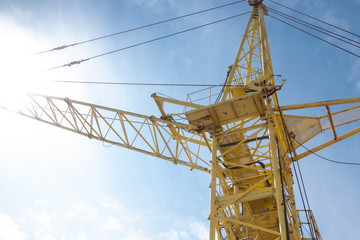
(57, 185)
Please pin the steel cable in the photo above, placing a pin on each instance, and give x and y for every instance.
(316, 28)
(341, 48)
(145, 42)
(354, 34)
(137, 28)
(326, 159)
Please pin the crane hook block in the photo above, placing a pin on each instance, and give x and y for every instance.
(254, 2)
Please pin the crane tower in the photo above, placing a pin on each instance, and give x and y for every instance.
(242, 137)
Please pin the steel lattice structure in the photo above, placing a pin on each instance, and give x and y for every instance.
(243, 139)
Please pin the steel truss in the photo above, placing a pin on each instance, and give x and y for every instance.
(245, 140)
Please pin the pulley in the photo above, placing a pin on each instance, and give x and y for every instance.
(254, 2)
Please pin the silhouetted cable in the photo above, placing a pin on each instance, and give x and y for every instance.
(138, 28)
(316, 28)
(345, 50)
(142, 84)
(327, 159)
(301, 189)
(306, 197)
(294, 167)
(149, 41)
(315, 18)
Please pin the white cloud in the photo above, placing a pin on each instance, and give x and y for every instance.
(44, 219)
(113, 224)
(175, 235)
(139, 235)
(109, 202)
(82, 238)
(199, 230)
(186, 228)
(9, 229)
(43, 235)
(112, 203)
(75, 219)
(52, 220)
(131, 218)
(41, 203)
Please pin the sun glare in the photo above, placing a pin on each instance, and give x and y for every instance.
(16, 69)
(24, 72)
(20, 72)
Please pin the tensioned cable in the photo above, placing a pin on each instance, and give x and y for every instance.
(331, 32)
(292, 159)
(345, 50)
(306, 197)
(144, 84)
(327, 159)
(138, 28)
(302, 198)
(149, 41)
(283, 193)
(151, 84)
(302, 181)
(315, 19)
(316, 28)
(296, 175)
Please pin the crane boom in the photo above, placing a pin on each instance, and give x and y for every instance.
(141, 133)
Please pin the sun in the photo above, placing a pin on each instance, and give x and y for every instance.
(23, 71)
(19, 72)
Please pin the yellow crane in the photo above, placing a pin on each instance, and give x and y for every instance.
(242, 137)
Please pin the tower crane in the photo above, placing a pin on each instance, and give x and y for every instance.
(242, 137)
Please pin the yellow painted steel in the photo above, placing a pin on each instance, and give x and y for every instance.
(245, 140)
(144, 134)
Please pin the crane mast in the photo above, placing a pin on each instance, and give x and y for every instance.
(252, 195)
(251, 180)
(251, 141)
